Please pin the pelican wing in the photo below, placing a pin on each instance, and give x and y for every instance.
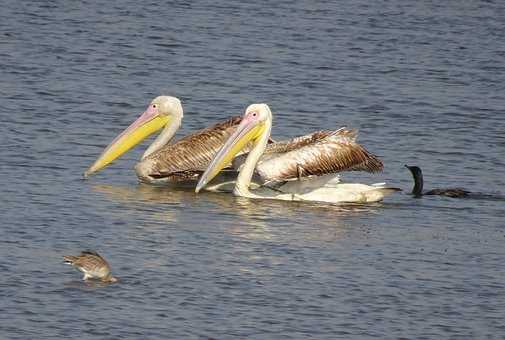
(317, 154)
(189, 156)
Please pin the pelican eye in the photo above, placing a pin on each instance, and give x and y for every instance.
(154, 106)
(254, 114)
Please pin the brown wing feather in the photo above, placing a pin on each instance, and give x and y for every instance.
(297, 142)
(319, 153)
(190, 155)
(87, 260)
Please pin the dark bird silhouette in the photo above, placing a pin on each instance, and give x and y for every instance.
(417, 191)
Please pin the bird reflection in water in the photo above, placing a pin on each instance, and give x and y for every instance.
(251, 226)
(86, 285)
(239, 216)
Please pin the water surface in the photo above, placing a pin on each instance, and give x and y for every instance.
(424, 84)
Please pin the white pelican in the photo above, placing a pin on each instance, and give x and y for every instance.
(256, 126)
(162, 162)
(186, 159)
(92, 265)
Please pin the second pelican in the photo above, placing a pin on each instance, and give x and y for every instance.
(255, 127)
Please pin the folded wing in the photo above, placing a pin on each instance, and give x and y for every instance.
(316, 154)
(189, 156)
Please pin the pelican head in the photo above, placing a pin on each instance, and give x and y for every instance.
(163, 112)
(255, 125)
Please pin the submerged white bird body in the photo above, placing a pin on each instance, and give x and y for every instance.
(256, 126)
(327, 188)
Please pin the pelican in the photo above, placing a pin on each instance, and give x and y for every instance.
(255, 127)
(92, 265)
(162, 162)
(185, 160)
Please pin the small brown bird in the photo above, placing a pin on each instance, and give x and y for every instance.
(92, 265)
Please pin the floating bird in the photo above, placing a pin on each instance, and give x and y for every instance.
(255, 127)
(315, 154)
(162, 162)
(92, 265)
(417, 191)
(185, 160)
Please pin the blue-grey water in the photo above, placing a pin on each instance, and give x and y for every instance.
(424, 82)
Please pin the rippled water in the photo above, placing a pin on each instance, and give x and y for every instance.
(423, 81)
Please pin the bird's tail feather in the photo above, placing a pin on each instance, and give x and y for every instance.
(386, 190)
(377, 194)
(69, 259)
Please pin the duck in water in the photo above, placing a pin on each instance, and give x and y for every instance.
(92, 265)
(417, 191)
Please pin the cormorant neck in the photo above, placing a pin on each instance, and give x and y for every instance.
(418, 180)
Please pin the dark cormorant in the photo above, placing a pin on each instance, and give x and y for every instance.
(418, 186)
